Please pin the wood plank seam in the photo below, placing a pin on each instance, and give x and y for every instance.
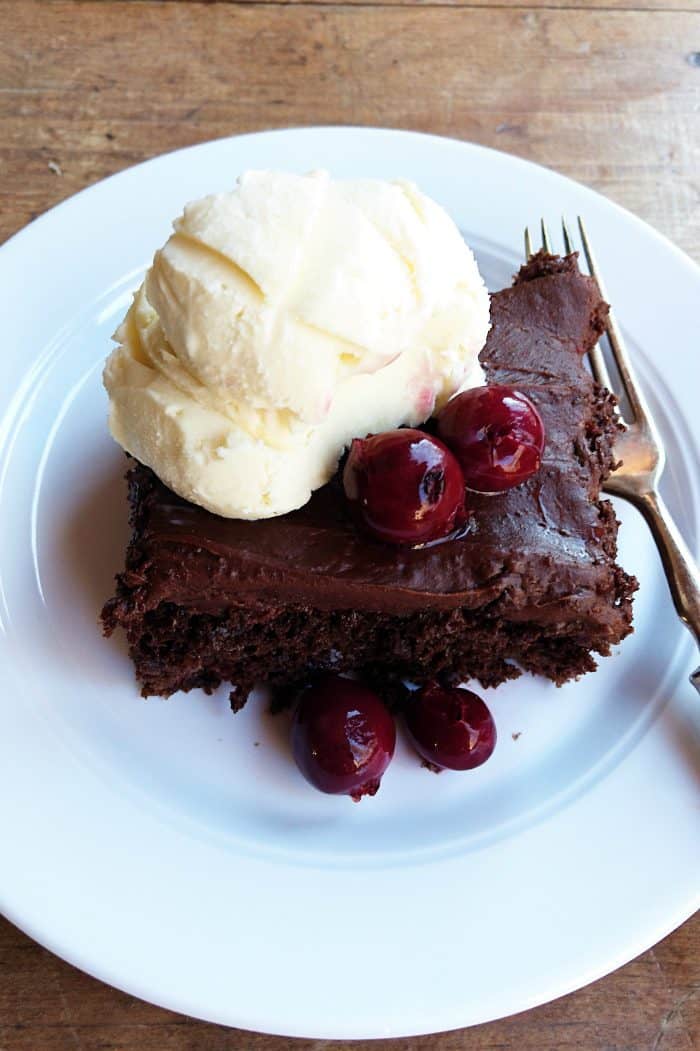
(420, 4)
(465, 5)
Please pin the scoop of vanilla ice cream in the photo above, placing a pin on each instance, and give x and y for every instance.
(281, 320)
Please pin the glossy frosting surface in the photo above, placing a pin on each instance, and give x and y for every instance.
(538, 550)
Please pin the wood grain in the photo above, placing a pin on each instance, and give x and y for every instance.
(652, 1004)
(582, 5)
(607, 95)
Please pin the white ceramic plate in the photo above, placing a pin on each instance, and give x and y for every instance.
(171, 848)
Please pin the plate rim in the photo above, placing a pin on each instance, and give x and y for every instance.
(404, 133)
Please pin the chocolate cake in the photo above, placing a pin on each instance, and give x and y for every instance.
(531, 584)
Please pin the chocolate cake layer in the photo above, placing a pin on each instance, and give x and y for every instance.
(533, 578)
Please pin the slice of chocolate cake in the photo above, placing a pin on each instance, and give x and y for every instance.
(533, 584)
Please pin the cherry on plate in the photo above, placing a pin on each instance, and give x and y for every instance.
(450, 727)
(404, 486)
(497, 435)
(343, 737)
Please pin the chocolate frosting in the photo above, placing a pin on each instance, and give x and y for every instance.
(542, 551)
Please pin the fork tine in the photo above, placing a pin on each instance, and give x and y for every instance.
(636, 399)
(528, 243)
(546, 243)
(595, 354)
(568, 243)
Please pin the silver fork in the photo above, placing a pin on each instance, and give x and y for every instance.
(643, 456)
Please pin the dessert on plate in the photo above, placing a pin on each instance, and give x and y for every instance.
(281, 332)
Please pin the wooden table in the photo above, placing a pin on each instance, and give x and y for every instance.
(607, 91)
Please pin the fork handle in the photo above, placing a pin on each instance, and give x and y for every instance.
(681, 571)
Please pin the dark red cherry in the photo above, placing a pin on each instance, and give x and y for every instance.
(404, 486)
(450, 727)
(343, 737)
(497, 435)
